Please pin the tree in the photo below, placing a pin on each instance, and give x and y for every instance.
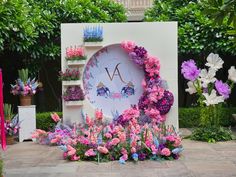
(197, 34)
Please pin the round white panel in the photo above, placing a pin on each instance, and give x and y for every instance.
(112, 82)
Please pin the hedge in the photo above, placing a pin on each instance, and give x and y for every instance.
(189, 117)
(44, 120)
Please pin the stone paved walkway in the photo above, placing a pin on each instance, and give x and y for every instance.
(199, 159)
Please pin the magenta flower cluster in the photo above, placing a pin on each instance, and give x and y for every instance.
(73, 93)
(156, 101)
(69, 74)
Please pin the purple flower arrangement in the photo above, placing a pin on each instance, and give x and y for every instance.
(156, 100)
(69, 74)
(73, 93)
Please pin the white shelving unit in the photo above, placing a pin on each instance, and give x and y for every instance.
(93, 44)
(74, 103)
(71, 83)
(76, 63)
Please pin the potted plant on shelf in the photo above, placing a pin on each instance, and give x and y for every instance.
(11, 124)
(24, 87)
(73, 93)
(93, 34)
(69, 75)
(75, 53)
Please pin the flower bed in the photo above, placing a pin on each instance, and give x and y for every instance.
(96, 140)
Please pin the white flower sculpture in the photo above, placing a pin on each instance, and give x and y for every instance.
(191, 88)
(214, 61)
(212, 99)
(232, 74)
(207, 77)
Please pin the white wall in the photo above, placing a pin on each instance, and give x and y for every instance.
(159, 38)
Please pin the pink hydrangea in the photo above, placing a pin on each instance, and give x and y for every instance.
(152, 66)
(166, 152)
(102, 150)
(153, 113)
(128, 45)
(90, 153)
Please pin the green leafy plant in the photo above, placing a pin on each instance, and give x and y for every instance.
(211, 134)
(44, 121)
(8, 111)
(23, 75)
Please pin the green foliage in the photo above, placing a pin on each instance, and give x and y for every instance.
(190, 117)
(31, 28)
(212, 134)
(8, 111)
(23, 75)
(197, 34)
(44, 121)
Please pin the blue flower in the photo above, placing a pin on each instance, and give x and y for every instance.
(63, 147)
(122, 161)
(99, 139)
(135, 156)
(156, 142)
(177, 150)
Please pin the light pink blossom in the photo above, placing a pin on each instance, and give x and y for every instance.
(102, 150)
(90, 153)
(128, 45)
(166, 152)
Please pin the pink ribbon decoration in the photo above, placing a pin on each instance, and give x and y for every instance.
(2, 121)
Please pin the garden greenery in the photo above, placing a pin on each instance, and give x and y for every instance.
(197, 33)
(31, 28)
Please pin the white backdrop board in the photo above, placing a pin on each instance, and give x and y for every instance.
(158, 38)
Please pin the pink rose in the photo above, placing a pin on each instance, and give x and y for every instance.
(108, 135)
(115, 141)
(55, 117)
(128, 45)
(71, 150)
(133, 150)
(166, 152)
(177, 142)
(102, 150)
(90, 153)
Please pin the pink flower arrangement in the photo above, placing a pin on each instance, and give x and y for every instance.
(76, 53)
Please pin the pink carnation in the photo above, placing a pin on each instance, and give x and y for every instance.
(102, 150)
(55, 117)
(90, 153)
(128, 46)
(166, 152)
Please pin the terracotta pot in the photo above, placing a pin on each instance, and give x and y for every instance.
(10, 140)
(25, 100)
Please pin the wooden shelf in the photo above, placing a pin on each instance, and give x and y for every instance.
(68, 83)
(76, 62)
(93, 44)
(74, 103)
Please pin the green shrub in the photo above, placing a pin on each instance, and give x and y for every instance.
(211, 134)
(44, 120)
(190, 117)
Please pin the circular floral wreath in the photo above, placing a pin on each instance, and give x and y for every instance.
(156, 100)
